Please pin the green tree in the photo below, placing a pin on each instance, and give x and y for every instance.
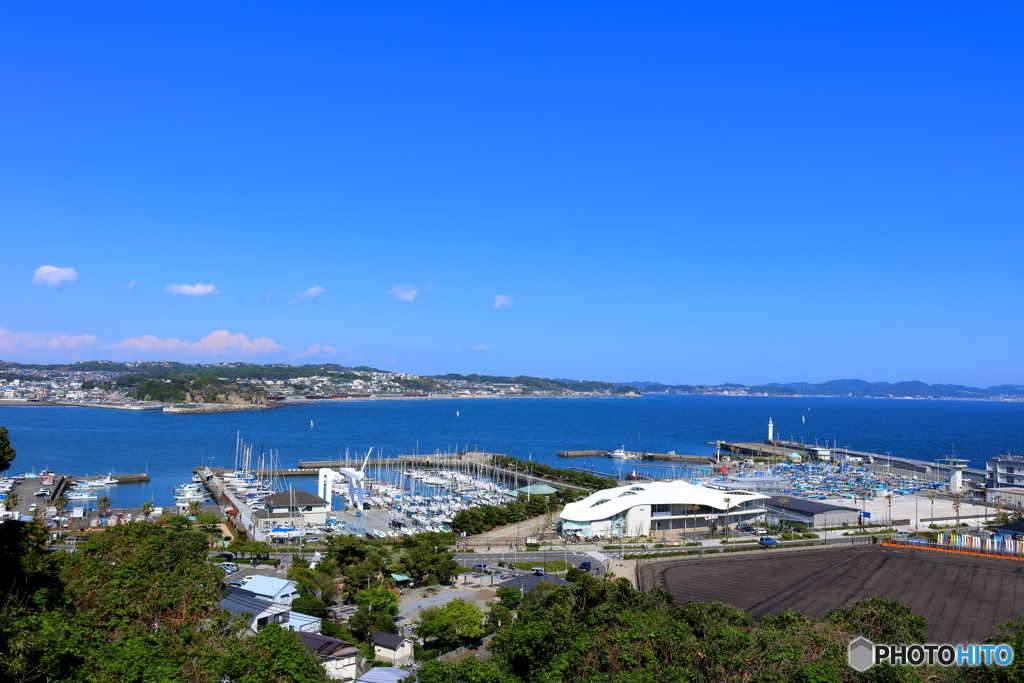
(510, 597)
(60, 503)
(499, 614)
(193, 508)
(147, 508)
(880, 620)
(103, 504)
(314, 607)
(12, 500)
(276, 656)
(139, 574)
(456, 622)
(379, 600)
(7, 453)
(468, 670)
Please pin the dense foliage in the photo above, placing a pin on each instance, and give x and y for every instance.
(136, 602)
(603, 630)
(185, 388)
(590, 481)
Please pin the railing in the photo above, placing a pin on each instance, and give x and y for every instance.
(982, 549)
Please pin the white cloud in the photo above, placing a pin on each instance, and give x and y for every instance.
(481, 348)
(11, 340)
(503, 301)
(219, 343)
(406, 293)
(319, 349)
(131, 285)
(53, 276)
(311, 293)
(198, 289)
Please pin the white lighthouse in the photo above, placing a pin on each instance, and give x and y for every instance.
(771, 430)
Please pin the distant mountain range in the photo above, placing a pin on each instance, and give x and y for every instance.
(840, 387)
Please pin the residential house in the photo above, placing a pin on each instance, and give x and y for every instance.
(336, 656)
(388, 647)
(304, 623)
(383, 674)
(272, 589)
(263, 612)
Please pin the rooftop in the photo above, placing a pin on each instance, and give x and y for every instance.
(268, 585)
(809, 506)
(388, 640)
(293, 497)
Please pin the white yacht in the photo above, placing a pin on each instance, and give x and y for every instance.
(619, 453)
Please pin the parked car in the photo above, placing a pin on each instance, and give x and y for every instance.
(760, 531)
(313, 539)
(236, 584)
(229, 567)
(480, 567)
(537, 571)
(745, 528)
(902, 536)
(767, 541)
(226, 556)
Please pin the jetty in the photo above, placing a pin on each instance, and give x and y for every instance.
(779, 449)
(637, 455)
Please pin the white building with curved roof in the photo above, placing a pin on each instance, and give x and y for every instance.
(642, 508)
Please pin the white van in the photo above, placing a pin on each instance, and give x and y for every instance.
(902, 536)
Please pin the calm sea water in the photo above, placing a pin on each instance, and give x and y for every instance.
(92, 441)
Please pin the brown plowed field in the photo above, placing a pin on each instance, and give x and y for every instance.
(963, 597)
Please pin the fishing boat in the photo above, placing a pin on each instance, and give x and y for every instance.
(619, 453)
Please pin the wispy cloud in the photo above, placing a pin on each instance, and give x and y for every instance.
(131, 286)
(318, 350)
(406, 293)
(11, 340)
(503, 301)
(198, 289)
(481, 348)
(54, 276)
(311, 293)
(217, 344)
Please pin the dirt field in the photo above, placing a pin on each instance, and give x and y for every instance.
(962, 597)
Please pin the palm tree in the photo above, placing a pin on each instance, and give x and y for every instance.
(147, 508)
(727, 500)
(931, 497)
(12, 501)
(783, 501)
(60, 503)
(888, 498)
(956, 506)
(998, 505)
(693, 511)
(193, 508)
(103, 504)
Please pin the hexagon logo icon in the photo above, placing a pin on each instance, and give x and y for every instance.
(861, 654)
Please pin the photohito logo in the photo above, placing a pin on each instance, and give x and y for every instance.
(863, 654)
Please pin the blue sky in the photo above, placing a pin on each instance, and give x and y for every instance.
(682, 192)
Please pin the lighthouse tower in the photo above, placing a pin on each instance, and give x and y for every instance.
(771, 430)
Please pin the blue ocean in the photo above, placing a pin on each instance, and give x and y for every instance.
(83, 441)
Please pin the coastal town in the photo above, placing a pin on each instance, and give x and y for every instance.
(151, 385)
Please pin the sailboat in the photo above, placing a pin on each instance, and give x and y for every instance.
(803, 419)
(310, 424)
(456, 413)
